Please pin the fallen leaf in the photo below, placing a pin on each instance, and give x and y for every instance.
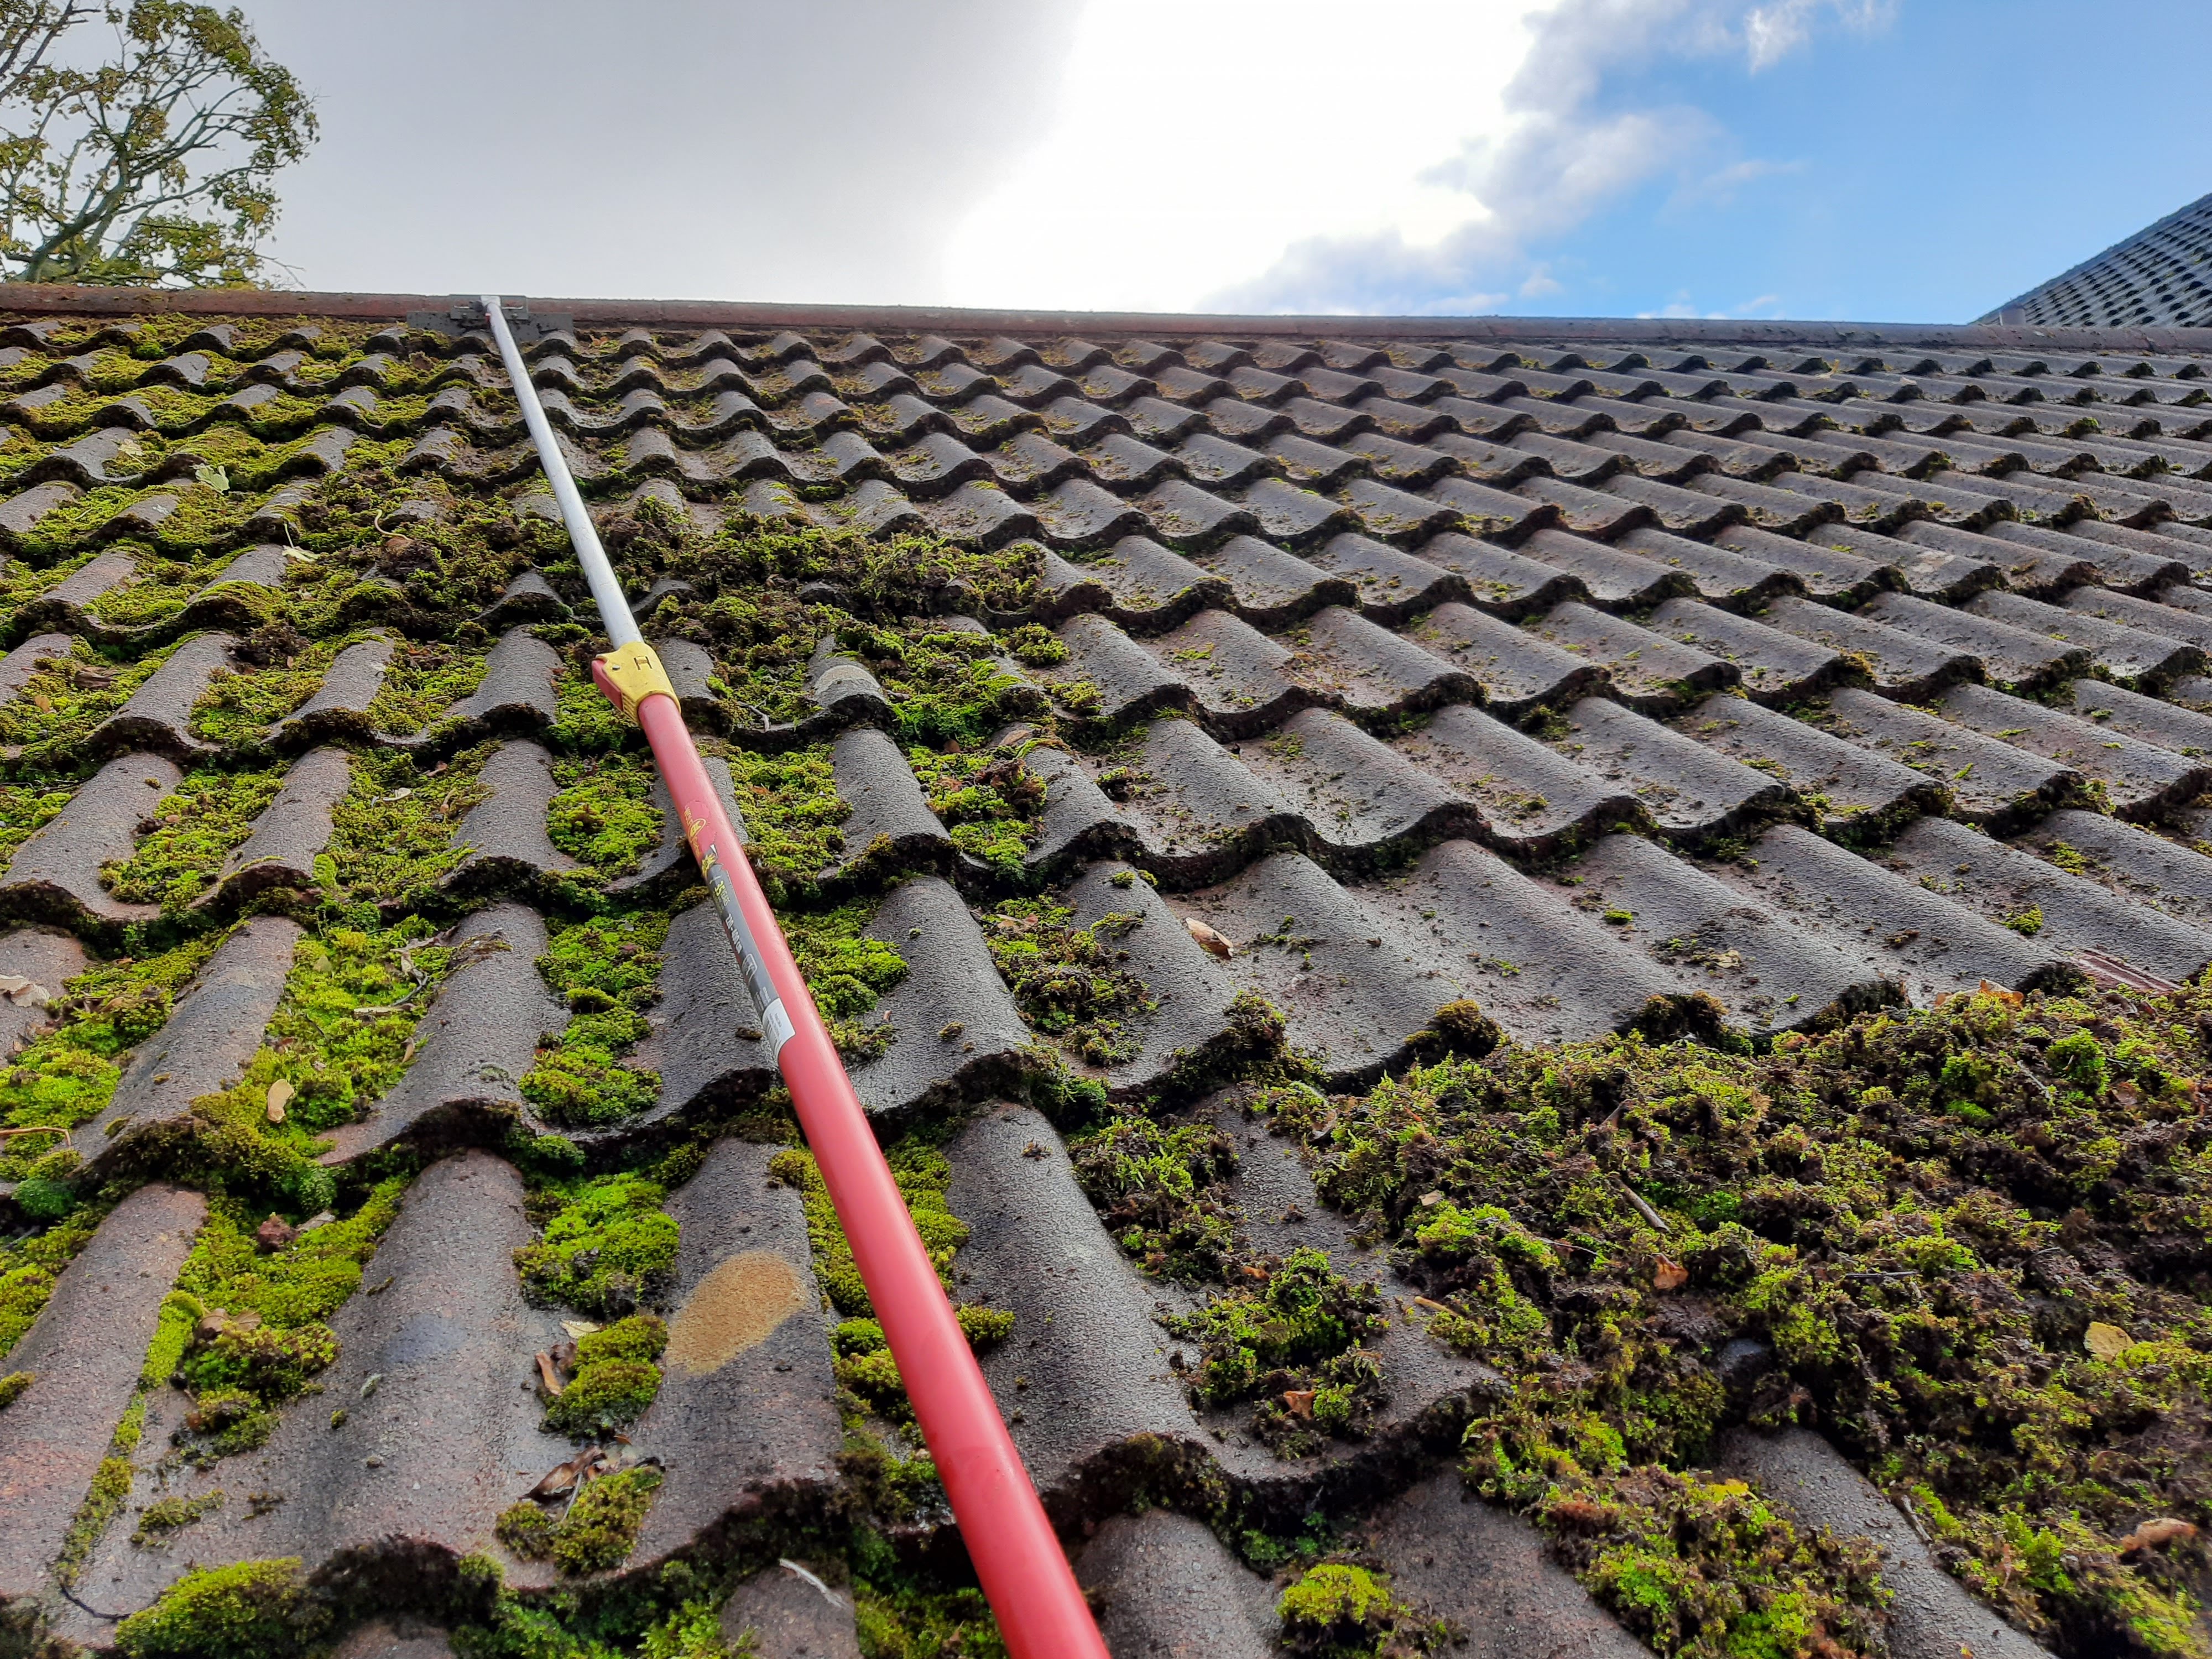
(562, 1479)
(42, 702)
(2010, 999)
(2105, 1341)
(1668, 1275)
(24, 993)
(1430, 1200)
(578, 1328)
(547, 1376)
(1298, 1401)
(1208, 940)
(1433, 1307)
(279, 1092)
(2165, 1529)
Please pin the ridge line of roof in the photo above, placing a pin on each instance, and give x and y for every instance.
(35, 299)
(2009, 312)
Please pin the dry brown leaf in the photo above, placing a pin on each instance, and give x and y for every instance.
(2105, 1341)
(578, 1329)
(2010, 999)
(1298, 1401)
(1433, 1307)
(562, 1478)
(1668, 1275)
(2165, 1529)
(42, 702)
(1209, 941)
(1430, 1200)
(280, 1092)
(547, 1375)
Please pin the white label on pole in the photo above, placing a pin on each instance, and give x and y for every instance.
(778, 1026)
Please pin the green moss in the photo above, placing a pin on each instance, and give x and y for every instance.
(616, 1379)
(61, 703)
(1072, 983)
(392, 839)
(13, 1385)
(606, 1247)
(607, 971)
(110, 1491)
(526, 1529)
(1291, 1335)
(601, 1526)
(991, 802)
(251, 1610)
(29, 1267)
(1164, 1192)
(846, 972)
(195, 829)
(901, 1618)
(240, 706)
(603, 815)
(25, 809)
(346, 1021)
(421, 683)
(1339, 1611)
(791, 810)
(1918, 1215)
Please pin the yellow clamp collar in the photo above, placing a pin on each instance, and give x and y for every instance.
(635, 674)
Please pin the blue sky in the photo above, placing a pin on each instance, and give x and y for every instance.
(1938, 165)
(1874, 159)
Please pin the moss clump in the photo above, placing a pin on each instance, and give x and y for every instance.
(1163, 1191)
(25, 809)
(59, 705)
(846, 972)
(1910, 1224)
(898, 1617)
(1339, 1611)
(991, 802)
(167, 1515)
(526, 1529)
(603, 815)
(238, 707)
(1072, 983)
(68, 1074)
(608, 973)
(344, 1027)
(606, 1246)
(792, 811)
(247, 1328)
(616, 1379)
(251, 1610)
(32, 1266)
(1291, 1335)
(194, 830)
(601, 1526)
(13, 1385)
(421, 683)
(391, 836)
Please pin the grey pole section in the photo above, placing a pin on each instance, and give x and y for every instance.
(583, 534)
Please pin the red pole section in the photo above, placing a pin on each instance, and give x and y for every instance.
(1041, 1610)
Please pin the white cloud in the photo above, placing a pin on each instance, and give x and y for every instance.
(1220, 154)
(1196, 140)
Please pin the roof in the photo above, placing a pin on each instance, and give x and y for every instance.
(2158, 278)
(1357, 641)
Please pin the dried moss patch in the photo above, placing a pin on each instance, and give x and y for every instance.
(421, 683)
(64, 699)
(1071, 983)
(991, 803)
(1165, 1193)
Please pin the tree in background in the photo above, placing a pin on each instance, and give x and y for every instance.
(152, 166)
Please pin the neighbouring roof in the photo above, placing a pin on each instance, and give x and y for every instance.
(2160, 277)
(1876, 640)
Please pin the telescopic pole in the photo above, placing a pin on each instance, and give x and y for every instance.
(1041, 1611)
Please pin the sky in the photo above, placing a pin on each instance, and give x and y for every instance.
(1895, 160)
